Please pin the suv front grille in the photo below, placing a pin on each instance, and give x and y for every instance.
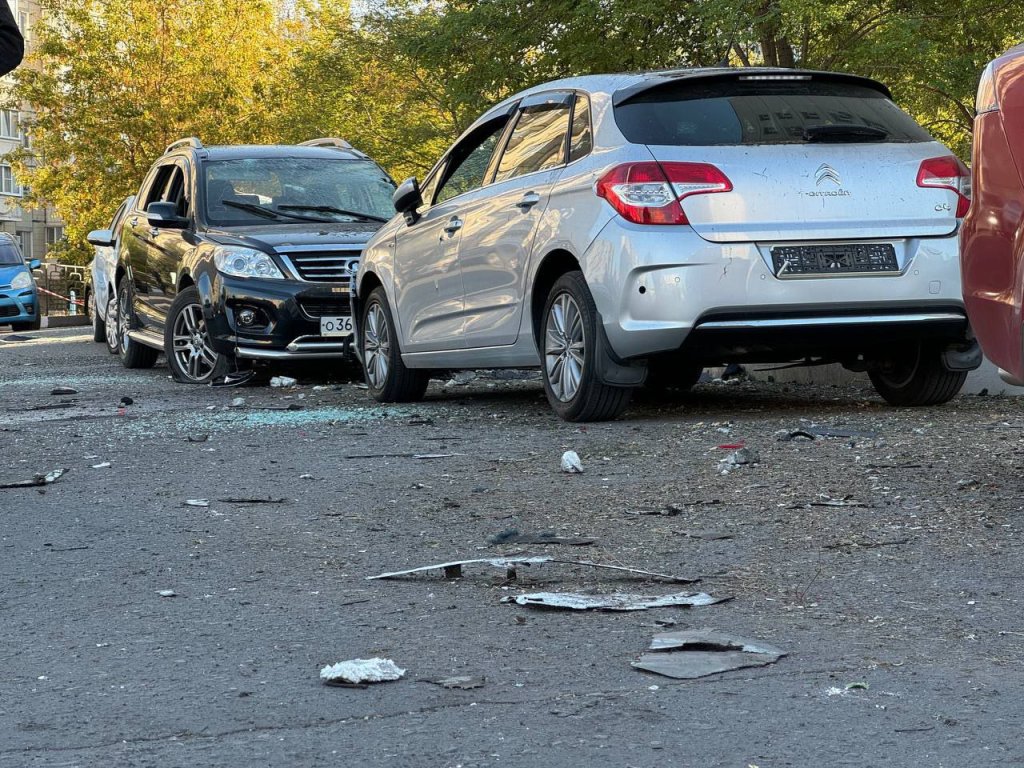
(324, 266)
(321, 307)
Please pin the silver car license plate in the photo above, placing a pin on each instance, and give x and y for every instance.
(336, 326)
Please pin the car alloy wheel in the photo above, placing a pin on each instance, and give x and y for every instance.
(113, 324)
(192, 352)
(123, 320)
(564, 350)
(376, 346)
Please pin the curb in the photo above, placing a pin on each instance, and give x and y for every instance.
(63, 321)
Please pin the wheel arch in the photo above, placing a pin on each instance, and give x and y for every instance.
(554, 264)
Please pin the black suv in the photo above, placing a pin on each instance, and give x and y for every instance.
(240, 253)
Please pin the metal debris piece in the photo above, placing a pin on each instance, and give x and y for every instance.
(453, 569)
(513, 536)
(283, 381)
(571, 463)
(167, 593)
(267, 500)
(197, 502)
(234, 378)
(619, 601)
(459, 682)
(197, 438)
(436, 455)
(356, 671)
(101, 465)
(786, 436)
(824, 500)
(63, 391)
(38, 479)
(697, 653)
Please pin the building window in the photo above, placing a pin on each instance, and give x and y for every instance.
(8, 186)
(54, 235)
(23, 26)
(10, 125)
(25, 241)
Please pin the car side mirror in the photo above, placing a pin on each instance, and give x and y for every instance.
(101, 237)
(35, 264)
(165, 216)
(407, 199)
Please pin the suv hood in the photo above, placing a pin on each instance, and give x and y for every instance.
(314, 234)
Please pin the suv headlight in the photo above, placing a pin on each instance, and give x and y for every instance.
(21, 280)
(245, 262)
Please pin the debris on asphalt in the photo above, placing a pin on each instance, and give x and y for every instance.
(126, 401)
(458, 682)
(514, 536)
(697, 653)
(38, 479)
(306, 476)
(167, 593)
(571, 463)
(453, 570)
(824, 500)
(283, 381)
(741, 458)
(461, 379)
(101, 465)
(197, 438)
(813, 432)
(234, 379)
(238, 402)
(786, 436)
(197, 502)
(258, 500)
(619, 601)
(436, 455)
(358, 671)
(63, 391)
(53, 406)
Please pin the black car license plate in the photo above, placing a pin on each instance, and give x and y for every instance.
(846, 258)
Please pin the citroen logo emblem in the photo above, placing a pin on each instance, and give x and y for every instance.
(825, 173)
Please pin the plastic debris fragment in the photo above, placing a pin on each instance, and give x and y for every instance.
(618, 601)
(571, 463)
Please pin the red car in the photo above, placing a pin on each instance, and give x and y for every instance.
(992, 239)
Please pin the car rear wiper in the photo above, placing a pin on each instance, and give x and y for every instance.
(841, 133)
(332, 209)
(268, 213)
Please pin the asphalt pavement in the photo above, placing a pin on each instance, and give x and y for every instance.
(880, 550)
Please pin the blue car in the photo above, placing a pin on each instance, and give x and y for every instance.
(19, 302)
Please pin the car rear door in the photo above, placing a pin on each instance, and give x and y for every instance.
(499, 229)
(137, 248)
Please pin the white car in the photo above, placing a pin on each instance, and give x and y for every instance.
(629, 230)
(100, 299)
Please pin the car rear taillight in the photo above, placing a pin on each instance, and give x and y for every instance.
(947, 173)
(650, 193)
(986, 100)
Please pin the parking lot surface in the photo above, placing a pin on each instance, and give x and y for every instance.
(884, 560)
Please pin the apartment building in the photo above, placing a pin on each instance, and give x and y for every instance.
(36, 228)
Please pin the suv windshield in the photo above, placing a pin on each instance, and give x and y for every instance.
(9, 254)
(282, 190)
(739, 112)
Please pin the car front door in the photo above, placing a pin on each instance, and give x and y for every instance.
(428, 276)
(167, 245)
(137, 247)
(498, 236)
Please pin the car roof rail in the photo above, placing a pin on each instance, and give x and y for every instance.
(191, 141)
(327, 141)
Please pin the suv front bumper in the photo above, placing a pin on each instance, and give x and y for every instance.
(18, 305)
(664, 289)
(287, 313)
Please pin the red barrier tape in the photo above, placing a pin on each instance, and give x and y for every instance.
(66, 298)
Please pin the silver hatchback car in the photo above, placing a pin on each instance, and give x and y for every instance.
(629, 230)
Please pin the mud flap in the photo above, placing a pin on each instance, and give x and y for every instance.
(962, 356)
(613, 370)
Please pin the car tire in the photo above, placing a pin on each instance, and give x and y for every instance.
(99, 325)
(132, 353)
(387, 377)
(187, 347)
(918, 378)
(111, 328)
(569, 338)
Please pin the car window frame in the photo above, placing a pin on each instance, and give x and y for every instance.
(590, 127)
(448, 172)
(532, 101)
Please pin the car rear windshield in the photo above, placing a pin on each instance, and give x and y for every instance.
(737, 112)
(282, 190)
(9, 254)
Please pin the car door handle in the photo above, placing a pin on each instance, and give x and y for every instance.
(453, 226)
(529, 200)
(135, 221)
(154, 231)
